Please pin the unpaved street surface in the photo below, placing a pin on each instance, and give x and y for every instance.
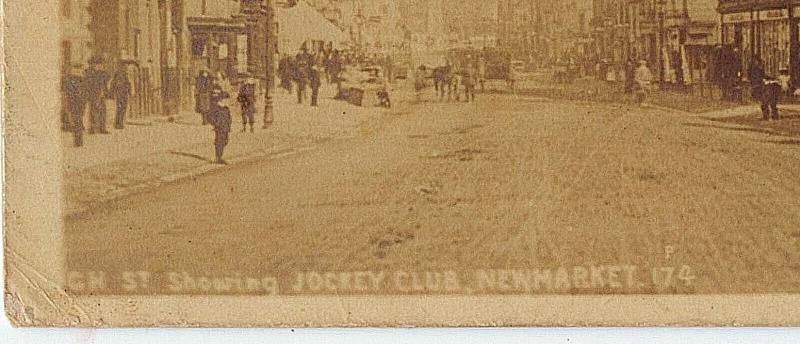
(658, 202)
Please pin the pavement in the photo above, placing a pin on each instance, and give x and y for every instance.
(160, 150)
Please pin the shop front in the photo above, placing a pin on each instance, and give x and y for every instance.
(760, 32)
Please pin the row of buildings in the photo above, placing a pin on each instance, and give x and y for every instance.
(674, 36)
(687, 40)
(164, 44)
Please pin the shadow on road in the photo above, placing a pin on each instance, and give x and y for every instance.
(785, 142)
(740, 129)
(194, 156)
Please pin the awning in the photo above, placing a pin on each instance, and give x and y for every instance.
(303, 23)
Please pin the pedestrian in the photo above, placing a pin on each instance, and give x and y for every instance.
(630, 76)
(468, 80)
(302, 69)
(644, 78)
(74, 87)
(120, 90)
(756, 75)
(786, 83)
(770, 96)
(285, 73)
(202, 97)
(247, 100)
(96, 92)
(220, 119)
(315, 81)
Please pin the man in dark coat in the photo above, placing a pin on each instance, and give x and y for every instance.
(285, 71)
(630, 76)
(247, 100)
(756, 75)
(120, 90)
(302, 63)
(220, 119)
(770, 96)
(315, 81)
(202, 99)
(74, 87)
(96, 92)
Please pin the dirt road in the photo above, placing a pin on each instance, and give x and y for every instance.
(508, 188)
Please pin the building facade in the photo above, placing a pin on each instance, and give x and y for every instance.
(675, 37)
(767, 28)
(163, 44)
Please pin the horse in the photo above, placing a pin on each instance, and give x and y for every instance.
(445, 81)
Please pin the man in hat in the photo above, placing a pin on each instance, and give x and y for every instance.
(74, 87)
(220, 119)
(202, 95)
(247, 100)
(96, 91)
(120, 90)
(303, 63)
(315, 81)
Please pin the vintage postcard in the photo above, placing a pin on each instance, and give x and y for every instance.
(401, 163)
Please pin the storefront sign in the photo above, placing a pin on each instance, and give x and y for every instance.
(773, 15)
(736, 18)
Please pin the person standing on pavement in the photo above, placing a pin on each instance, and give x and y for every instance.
(756, 75)
(764, 88)
(315, 81)
(74, 87)
(202, 95)
(303, 63)
(285, 72)
(247, 100)
(96, 92)
(644, 78)
(770, 97)
(468, 80)
(120, 90)
(220, 118)
(630, 76)
(482, 73)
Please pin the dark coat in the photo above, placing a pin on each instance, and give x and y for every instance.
(315, 79)
(120, 86)
(96, 84)
(221, 120)
(247, 97)
(202, 101)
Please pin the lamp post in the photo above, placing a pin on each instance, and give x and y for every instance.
(794, 46)
(661, 43)
(269, 64)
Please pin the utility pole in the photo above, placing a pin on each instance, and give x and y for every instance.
(269, 64)
(661, 48)
(794, 45)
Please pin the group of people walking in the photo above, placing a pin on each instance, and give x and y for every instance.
(89, 88)
(305, 70)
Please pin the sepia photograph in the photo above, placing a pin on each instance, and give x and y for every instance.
(402, 163)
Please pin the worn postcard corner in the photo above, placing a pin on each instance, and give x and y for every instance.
(401, 163)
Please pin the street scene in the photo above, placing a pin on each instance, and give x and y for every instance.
(348, 147)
